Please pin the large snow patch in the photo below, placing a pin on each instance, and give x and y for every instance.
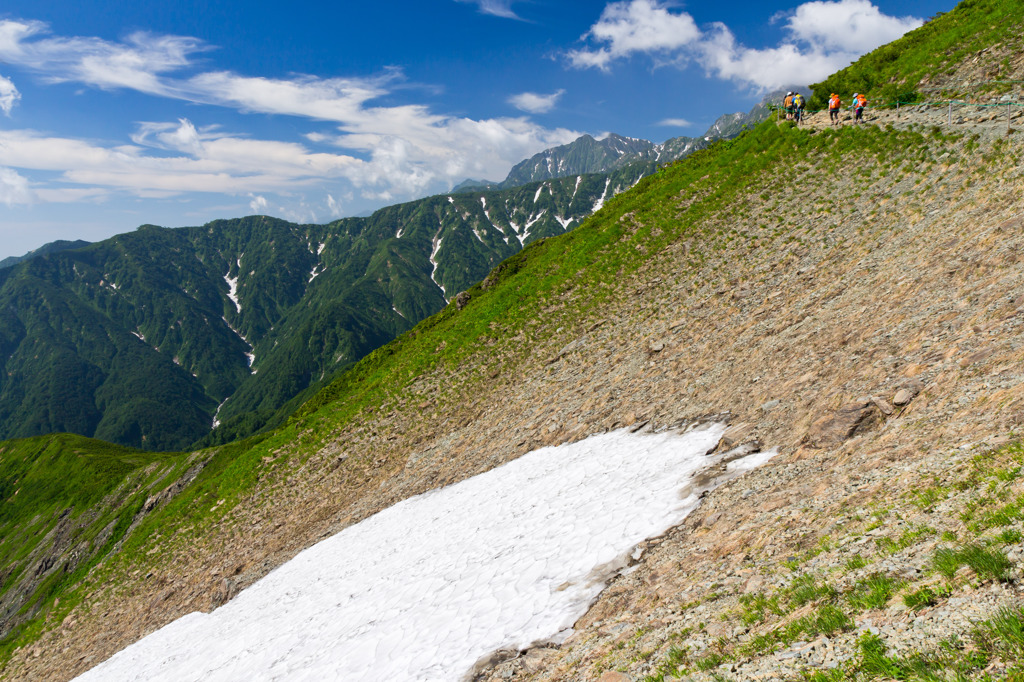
(430, 586)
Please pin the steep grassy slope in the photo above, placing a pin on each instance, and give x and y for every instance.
(67, 501)
(864, 318)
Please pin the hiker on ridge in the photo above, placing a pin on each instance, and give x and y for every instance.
(787, 104)
(859, 102)
(834, 104)
(798, 107)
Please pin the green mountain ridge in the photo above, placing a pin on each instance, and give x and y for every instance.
(59, 245)
(151, 338)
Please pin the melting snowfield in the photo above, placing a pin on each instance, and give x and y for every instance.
(427, 588)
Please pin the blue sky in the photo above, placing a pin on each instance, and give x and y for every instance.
(115, 114)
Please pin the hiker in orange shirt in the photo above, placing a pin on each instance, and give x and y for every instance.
(787, 104)
(834, 104)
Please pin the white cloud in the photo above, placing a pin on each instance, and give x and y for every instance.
(9, 95)
(400, 151)
(258, 205)
(499, 8)
(768, 68)
(223, 163)
(136, 63)
(534, 103)
(70, 195)
(821, 37)
(635, 26)
(854, 26)
(333, 206)
(14, 188)
(334, 99)
(182, 137)
(675, 123)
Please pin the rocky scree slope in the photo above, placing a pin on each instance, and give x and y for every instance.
(868, 323)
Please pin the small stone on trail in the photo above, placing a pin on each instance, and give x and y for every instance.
(973, 358)
(834, 429)
(902, 397)
(882, 404)
(736, 433)
(615, 677)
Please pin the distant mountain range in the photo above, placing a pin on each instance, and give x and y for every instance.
(163, 338)
(153, 337)
(589, 155)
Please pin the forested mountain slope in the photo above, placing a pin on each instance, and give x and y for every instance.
(866, 319)
(59, 245)
(151, 338)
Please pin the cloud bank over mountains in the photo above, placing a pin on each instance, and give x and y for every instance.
(821, 38)
(311, 147)
(394, 152)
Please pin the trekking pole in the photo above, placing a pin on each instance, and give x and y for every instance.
(897, 110)
(1007, 119)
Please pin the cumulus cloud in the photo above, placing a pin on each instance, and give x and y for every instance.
(498, 8)
(14, 188)
(333, 206)
(9, 95)
(398, 151)
(635, 26)
(820, 37)
(224, 163)
(854, 26)
(535, 103)
(258, 205)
